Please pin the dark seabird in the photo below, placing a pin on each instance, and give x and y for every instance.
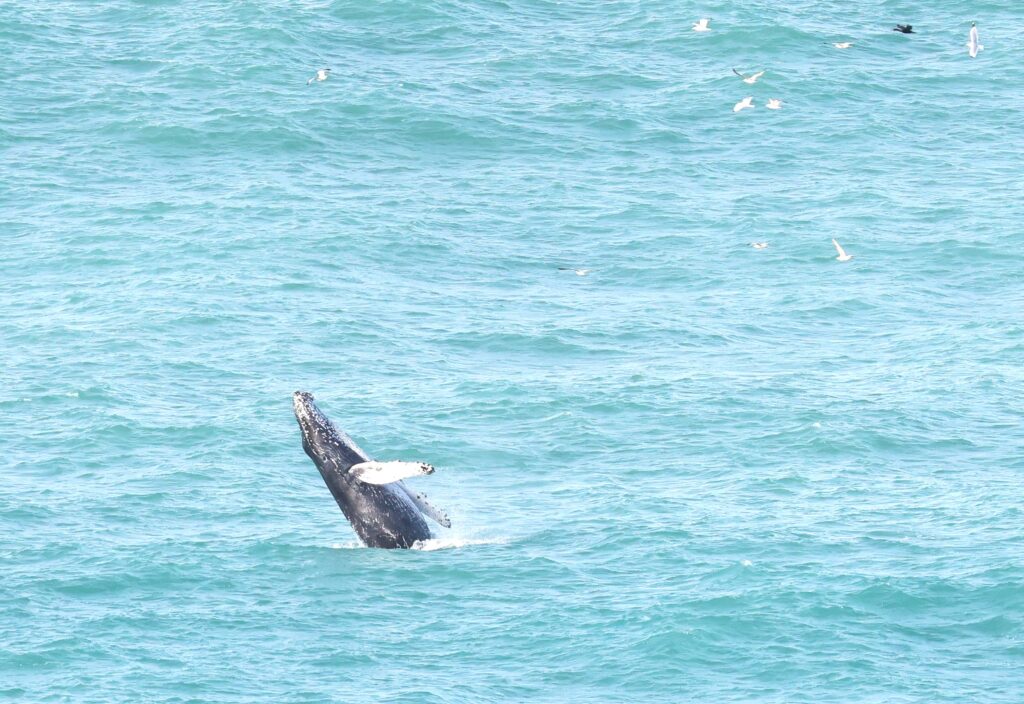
(905, 28)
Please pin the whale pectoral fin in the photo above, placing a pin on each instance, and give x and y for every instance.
(388, 472)
(427, 508)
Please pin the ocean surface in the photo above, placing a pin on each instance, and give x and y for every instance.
(701, 472)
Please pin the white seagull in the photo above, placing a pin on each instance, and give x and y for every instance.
(578, 272)
(843, 256)
(321, 75)
(751, 79)
(774, 104)
(745, 103)
(973, 47)
(702, 25)
(759, 245)
(842, 45)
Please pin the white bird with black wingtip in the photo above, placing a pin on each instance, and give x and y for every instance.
(973, 47)
(751, 79)
(321, 75)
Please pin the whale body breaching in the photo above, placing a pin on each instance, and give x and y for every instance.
(383, 511)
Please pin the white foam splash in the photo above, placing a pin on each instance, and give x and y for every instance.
(353, 545)
(431, 544)
(33, 399)
(445, 543)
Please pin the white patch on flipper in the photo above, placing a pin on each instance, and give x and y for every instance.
(389, 472)
(428, 509)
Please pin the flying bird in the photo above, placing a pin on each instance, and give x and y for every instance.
(702, 25)
(842, 45)
(751, 79)
(973, 47)
(843, 256)
(578, 272)
(743, 104)
(904, 28)
(321, 75)
(774, 104)
(759, 245)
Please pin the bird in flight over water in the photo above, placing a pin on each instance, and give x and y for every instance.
(321, 75)
(973, 47)
(751, 79)
(744, 104)
(843, 256)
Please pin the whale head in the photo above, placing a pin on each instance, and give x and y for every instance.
(329, 448)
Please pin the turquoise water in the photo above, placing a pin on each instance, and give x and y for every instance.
(701, 472)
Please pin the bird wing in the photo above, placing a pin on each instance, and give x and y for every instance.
(839, 248)
(738, 73)
(757, 75)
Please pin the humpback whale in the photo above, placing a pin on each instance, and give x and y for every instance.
(383, 511)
